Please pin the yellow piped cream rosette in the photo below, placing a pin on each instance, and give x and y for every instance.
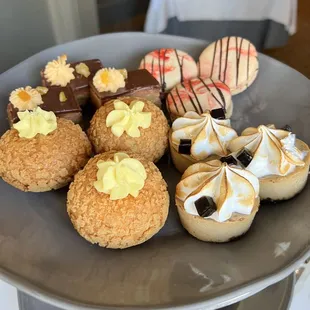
(109, 79)
(118, 200)
(279, 160)
(128, 119)
(58, 72)
(208, 137)
(120, 177)
(26, 98)
(35, 122)
(216, 201)
(130, 124)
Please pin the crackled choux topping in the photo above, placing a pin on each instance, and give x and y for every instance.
(58, 72)
(120, 177)
(128, 118)
(206, 135)
(35, 122)
(273, 150)
(217, 190)
(26, 98)
(109, 79)
(82, 69)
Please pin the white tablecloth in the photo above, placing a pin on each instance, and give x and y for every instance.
(281, 11)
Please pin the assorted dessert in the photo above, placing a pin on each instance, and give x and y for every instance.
(199, 95)
(109, 83)
(232, 60)
(217, 201)
(56, 99)
(42, 152)
(130, 124)
(169, 67)
(76, 75)
(276, 157)
(197, 138)
(118, 198)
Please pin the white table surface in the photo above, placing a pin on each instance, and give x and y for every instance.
(300, 301)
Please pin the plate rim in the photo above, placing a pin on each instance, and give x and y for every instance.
(231, 295)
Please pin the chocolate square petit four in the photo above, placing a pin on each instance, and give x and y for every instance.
(138, 83)
(59, 100)
(81, 73)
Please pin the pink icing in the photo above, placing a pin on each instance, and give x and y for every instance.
(169, 66)
(198, 95)
(232, 60)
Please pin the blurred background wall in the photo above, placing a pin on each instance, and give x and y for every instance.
(24, 30)
(28, 26)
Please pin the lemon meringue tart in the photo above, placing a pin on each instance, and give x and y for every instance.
(216, 201)
(276, 157)
(196, 138)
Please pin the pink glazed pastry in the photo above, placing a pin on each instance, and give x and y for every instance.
(199, 95)
(233, 60)
(169, 66)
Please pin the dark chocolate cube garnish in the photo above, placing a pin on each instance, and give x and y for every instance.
(185, 146)
(287, 128)
(245, 157)
(218, 113)
(205, 206)
(230, 160)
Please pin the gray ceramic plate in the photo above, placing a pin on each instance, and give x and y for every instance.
(275, 297)
(42, 254)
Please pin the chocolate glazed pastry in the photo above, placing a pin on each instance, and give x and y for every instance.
(68, 108)
(80, 84)
(140, 83)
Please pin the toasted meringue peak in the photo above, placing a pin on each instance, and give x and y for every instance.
(234, 190)
(209, 136)
(274, 151)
